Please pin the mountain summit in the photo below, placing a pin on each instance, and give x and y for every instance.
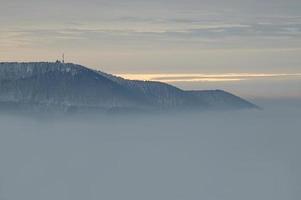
(44, 86)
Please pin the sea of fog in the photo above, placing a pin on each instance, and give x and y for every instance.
(243, 155)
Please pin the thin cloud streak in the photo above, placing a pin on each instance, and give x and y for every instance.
(209, 77)
(187, 31)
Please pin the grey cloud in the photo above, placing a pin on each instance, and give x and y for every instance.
(223, 30)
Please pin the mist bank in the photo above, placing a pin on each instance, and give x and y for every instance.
(212, 155)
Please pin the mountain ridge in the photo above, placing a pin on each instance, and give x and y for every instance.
(68, 86)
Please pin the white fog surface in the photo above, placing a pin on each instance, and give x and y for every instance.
(212, 156)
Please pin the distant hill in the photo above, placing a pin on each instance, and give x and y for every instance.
(44, 86)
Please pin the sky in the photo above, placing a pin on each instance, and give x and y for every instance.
(257, 41)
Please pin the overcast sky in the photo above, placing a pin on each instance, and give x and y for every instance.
(159, 36)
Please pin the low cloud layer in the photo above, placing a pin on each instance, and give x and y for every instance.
(234, 155)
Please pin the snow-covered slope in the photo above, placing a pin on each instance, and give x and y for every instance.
(46, 86)
(169, 96)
